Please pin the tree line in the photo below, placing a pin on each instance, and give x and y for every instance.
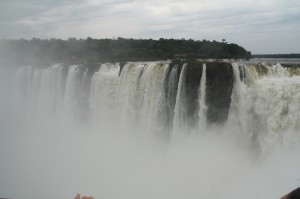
(287, 56)
(72, 50)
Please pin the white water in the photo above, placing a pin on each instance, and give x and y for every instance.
(103, 87)
(267, 108)
(179, 111)
(202, 99)
(255, 155)
(150, 91)
(128, 95)
(172, 92)
(71, 99)
(237, 119)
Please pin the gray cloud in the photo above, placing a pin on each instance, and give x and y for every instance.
(256, 24)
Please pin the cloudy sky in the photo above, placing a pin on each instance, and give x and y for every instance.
(261, 26)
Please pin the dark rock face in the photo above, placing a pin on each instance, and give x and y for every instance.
(219, 82)
(170, 92)
(193, 79)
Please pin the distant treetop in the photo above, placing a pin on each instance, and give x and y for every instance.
(116, 50)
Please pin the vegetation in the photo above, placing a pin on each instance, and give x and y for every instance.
(292, 55)
(37, 51)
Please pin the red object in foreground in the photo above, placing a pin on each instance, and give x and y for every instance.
(83, 197)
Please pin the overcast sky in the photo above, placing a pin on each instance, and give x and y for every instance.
(261, 26)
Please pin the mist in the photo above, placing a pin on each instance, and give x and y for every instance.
(49, 150)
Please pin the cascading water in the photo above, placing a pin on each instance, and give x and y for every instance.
(180, 110)
(150, 91)
(101, 143)
(38, 92)
(146, 94)
(23, 83)
(265, 108)
(71, 99)
(103, 92)
(202, 99)
(47, 91)
(128, 95)
(238, 107)
(172, 92)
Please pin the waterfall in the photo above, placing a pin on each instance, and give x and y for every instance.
(180, 110)
(103, 94)
(23, 83)
(150, 98)
(150, 90)
(275, 103)
(265, 110)
(71, 98)
(238, 113)
(128, 94)
(171, 93)
(202, 99)
(129, 128)
(47, 86)
(162, 112)
(277, 70)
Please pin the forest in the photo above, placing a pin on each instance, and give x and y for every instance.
(287, 56)
(82, 51)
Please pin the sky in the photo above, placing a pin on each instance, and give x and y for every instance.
(260, 26)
